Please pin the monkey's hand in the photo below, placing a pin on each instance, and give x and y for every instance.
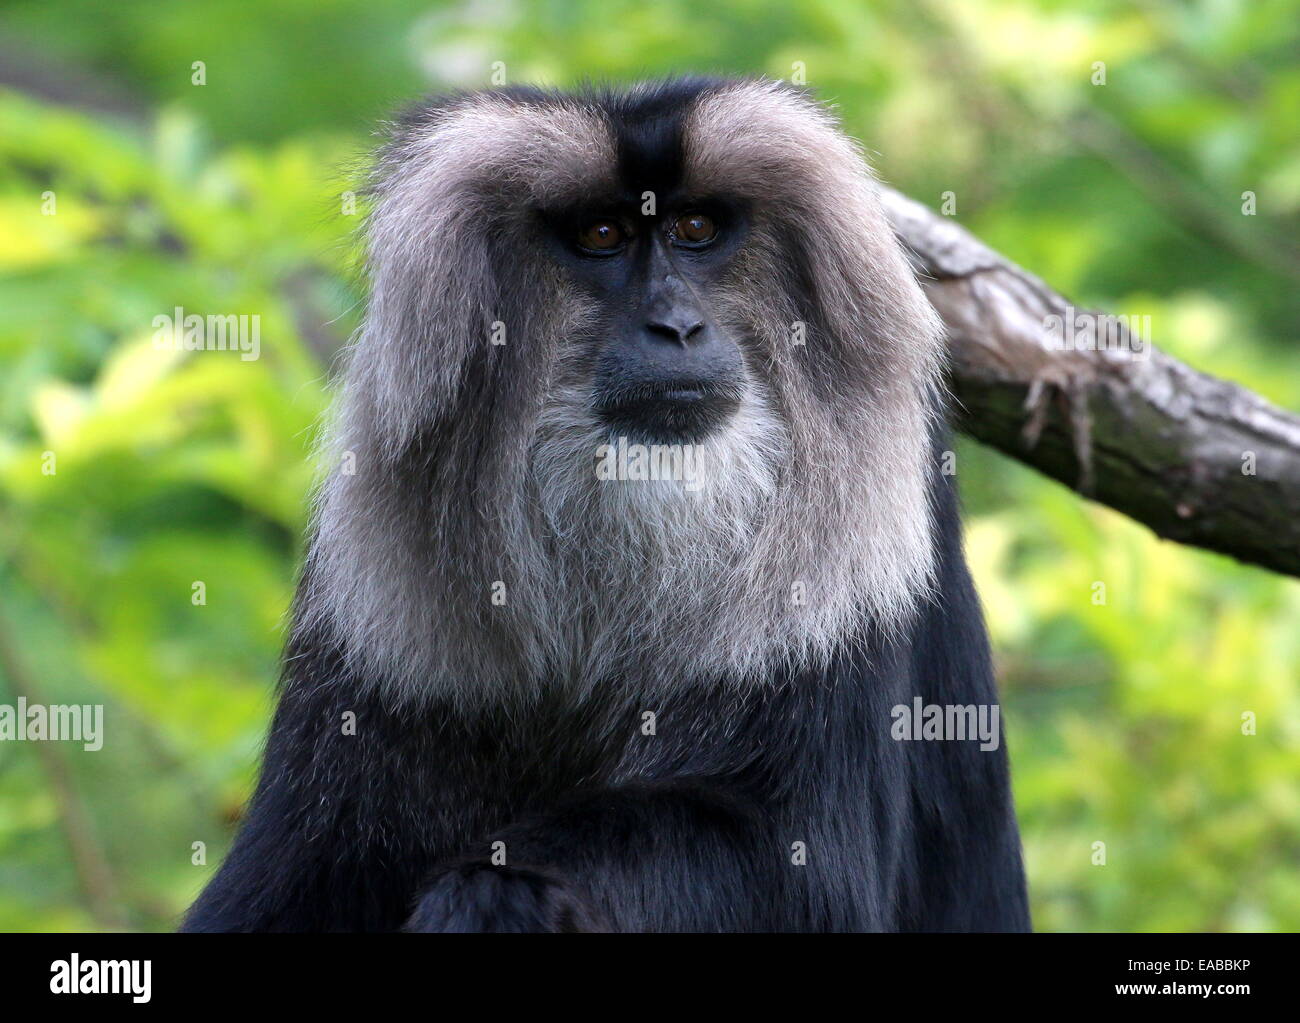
(481, 898)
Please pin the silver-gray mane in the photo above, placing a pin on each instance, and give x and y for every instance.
(465, 547)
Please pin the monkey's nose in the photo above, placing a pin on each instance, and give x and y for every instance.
(677, 329)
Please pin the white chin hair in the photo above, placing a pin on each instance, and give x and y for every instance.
(662, 496)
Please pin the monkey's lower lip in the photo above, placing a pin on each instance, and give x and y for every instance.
(683, 413)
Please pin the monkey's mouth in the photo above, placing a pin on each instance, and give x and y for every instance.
(678, 412)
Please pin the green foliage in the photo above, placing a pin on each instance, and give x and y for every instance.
(1125, 713)
(169, 468)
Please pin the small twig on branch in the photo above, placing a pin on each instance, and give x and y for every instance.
(95, 875)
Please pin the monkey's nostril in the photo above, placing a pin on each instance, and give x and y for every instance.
(665, 331)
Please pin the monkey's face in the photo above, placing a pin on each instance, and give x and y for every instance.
(700, 269)
(665, 368)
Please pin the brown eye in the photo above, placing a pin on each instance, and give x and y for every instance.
(601, 236)
(695, 228)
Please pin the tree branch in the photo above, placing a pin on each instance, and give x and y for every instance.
(1197, 459)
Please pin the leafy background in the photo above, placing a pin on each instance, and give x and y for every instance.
(1124, 718)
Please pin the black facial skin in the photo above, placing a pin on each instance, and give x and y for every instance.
(666, 373)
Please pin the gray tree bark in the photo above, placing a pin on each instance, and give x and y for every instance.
(1197, 459)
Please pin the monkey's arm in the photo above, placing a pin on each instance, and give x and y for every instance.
(332, 840)
(684, 855)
